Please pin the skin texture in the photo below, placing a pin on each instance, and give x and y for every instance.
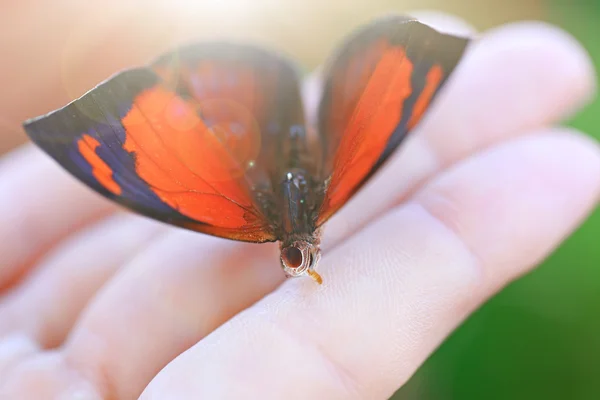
(117, 307)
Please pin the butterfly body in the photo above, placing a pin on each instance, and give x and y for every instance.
(213, 137)
(299, 231)
(293, 205)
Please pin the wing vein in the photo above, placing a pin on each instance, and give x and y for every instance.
(168, 149)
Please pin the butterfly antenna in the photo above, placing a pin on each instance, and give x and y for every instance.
(315, 276)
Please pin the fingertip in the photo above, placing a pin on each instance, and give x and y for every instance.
(519, 77)
(580, 155)
(514, 203)
(553, 56)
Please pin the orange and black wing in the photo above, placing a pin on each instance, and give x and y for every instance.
(377, 88)
(183, 140)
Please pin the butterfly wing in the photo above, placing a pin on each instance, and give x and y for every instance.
(376, 90)
(183, 140)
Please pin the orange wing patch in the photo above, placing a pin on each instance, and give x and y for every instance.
(432, 83)
(194, 168)
(376, 114)
(102, 172)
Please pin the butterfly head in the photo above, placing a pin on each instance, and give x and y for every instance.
(300, 258)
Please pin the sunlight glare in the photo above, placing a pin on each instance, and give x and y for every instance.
(236, 8)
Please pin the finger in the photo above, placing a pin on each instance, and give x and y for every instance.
(395, 289)
(45, 306)
(177, 291)
(40, 204)
(512, 80)
(168, 298)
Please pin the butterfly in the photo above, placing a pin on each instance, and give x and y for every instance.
(213, 136)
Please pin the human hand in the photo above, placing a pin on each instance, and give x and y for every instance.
(114, 305)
